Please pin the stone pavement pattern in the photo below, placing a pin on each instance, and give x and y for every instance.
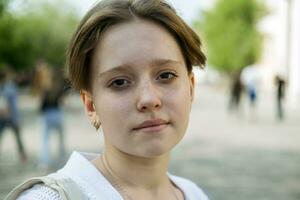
(231, 157)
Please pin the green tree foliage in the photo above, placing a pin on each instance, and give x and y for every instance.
(2, 6)
(5, 24)
(230, 33)
(37, 31)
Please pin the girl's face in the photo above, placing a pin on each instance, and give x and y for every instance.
(141, 89)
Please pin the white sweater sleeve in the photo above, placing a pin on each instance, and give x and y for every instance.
(39, 192)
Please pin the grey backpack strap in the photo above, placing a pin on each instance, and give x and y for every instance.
(71, 189)
(67, 189)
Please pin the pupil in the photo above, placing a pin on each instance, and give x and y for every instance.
(165, 75)
(119, 82)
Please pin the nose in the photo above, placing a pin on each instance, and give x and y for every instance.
(149, 98)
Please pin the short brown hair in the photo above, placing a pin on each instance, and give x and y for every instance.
(107, 13)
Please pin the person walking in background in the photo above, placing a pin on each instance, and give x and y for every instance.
(280, 93)
(51, 89)
(9, 115)
(250, 79)
(236, 93)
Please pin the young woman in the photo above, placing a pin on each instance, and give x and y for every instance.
(132, 62)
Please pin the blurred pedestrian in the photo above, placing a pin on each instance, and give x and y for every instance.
(51, 91)
(9, 115)
(280, 93)
(250, 79)
(236, 93)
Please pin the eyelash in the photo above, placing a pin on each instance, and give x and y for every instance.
(174, 75)
(113, 83)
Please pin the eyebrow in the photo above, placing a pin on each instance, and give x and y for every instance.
(124, 67)
(119, 68)
(161, 62)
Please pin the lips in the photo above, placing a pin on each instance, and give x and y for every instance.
(151, 124)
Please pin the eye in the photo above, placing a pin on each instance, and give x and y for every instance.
(119, 83)
(165, 76)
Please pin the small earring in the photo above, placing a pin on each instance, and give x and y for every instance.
(96, 124)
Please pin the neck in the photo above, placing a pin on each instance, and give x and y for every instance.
(139, 177)
(137, 172)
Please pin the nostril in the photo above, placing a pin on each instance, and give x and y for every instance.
(143, 108)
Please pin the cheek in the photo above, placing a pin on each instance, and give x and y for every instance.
(115, 110)
(179, 102)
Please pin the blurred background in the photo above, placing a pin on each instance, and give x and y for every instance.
(243, 140)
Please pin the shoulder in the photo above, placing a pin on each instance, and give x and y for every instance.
(39, 192)
(51, 187)
(191, 190)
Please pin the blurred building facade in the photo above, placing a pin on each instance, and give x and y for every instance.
(281, 54)
(294, 74)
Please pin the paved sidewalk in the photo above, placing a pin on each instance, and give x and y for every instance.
(232, 157)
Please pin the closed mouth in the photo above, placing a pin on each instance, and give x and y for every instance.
(151, 124)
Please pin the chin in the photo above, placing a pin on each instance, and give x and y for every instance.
(154, 151)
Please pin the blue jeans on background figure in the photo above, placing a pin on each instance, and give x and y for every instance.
(52, 120)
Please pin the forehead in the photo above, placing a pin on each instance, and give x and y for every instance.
(138, 42)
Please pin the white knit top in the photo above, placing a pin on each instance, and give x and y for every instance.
(88, 178)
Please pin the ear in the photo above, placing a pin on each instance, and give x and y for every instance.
(89, 106)
(192, 84)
